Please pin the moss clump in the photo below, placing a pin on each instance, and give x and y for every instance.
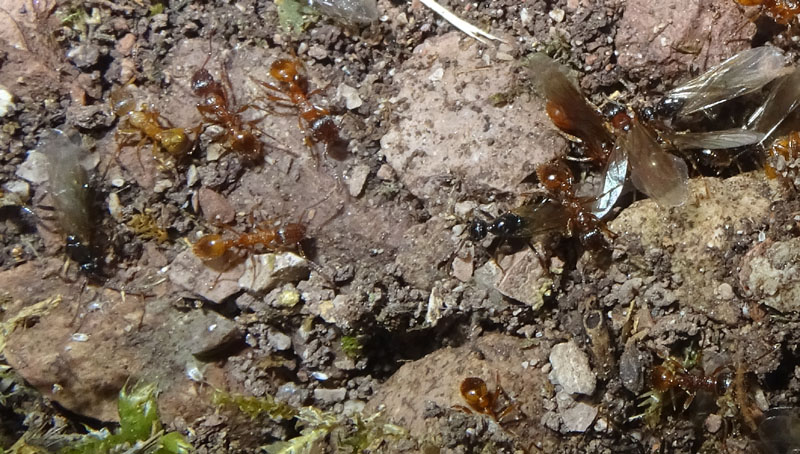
(140, 430)
(254, 406)
(352, 347)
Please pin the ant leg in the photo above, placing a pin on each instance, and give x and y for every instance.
(462, 409)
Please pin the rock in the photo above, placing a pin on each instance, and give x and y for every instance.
(84, 55)
(524, 279)
(218, 334)
(264, 272)
(90, 117)
(350, 95)
(279, 341)
(771, 274)
(571, 369)
(19, 188)
(34, 169)
(657, 39)
(435, 380)
(6, 101)
(471, 140)
(426, 246)
(385, 172)
(578, 418)
(357, 179)
(631, 367)
(330, 396)
(216, 208)
(690, 240)
(192, 274)
(125, 45)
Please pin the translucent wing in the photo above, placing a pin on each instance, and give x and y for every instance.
(743, 73)
(779, 432)
(541, 215)
(660, 175)
(713, 140)
(567, 106)
(613, 183)
(350, 11)
(783, 98)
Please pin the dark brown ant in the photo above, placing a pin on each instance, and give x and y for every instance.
(783, 11)
(560, 211)
(216, 107)
(292, 88)
(482, 401)
(289, 236)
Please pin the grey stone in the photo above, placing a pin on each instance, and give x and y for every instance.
(571, 369)
(265, 272)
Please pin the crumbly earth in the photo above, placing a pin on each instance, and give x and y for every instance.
(386, 306)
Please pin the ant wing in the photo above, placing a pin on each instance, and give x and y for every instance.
(349, 11)
(779, 432)
(662, 176)
(613, 182)
(783, 98)
(541, 215)
(566, 106)
(713, 140)
(68, 183)
(745, 72)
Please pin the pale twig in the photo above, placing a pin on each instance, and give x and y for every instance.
(459, 23)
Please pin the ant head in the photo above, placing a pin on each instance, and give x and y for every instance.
(477, 229)
(201, 80)
(668, 107)
(506, 226)
(284, 70)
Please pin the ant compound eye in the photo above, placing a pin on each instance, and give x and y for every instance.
(477, 230)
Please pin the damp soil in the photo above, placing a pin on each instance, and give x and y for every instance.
(393, 307)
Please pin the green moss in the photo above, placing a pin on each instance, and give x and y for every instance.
(254, 406)
(139, 429)
(352, 347)
(294, 16)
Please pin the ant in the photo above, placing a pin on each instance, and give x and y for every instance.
(146, 123)
(292, 90)
(783, 11)
(480, 400)
(216, 106)
(213, 246)
(728, 383)
(560, 210)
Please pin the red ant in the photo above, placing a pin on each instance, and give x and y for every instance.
(292, 90)
(480, 400)
(213, 246)
(216, 106)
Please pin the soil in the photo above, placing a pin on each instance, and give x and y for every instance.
(385, 307)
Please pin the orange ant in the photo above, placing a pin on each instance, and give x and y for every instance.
(292, 90)
(213, 246)
(480, 400)
(728, 383)
(783, 11)
(216, 106)
(146, 123)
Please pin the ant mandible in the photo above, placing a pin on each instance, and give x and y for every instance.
(292, 91)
